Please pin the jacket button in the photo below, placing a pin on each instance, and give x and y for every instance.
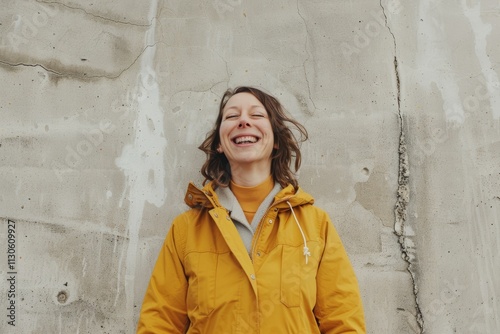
(252, 276)
(258, 253)
(216, 215)
(190, 196)
(270, 221)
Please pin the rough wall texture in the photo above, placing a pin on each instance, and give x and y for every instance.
(104, 104)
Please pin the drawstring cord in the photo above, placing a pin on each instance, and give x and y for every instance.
(306, 249)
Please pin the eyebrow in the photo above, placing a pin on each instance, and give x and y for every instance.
(251, 107)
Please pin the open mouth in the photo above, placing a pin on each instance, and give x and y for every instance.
(245, 140)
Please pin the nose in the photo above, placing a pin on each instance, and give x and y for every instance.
(243, 123)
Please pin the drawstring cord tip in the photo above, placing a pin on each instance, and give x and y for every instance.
(306, 249)
(306, 253)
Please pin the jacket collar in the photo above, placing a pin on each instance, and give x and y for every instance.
(207, 198)
(204, 197)
(230, 202)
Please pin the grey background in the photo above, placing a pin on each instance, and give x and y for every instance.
(103, 106)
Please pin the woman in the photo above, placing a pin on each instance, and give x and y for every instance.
(253, 255)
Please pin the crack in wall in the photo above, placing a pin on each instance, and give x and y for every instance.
(94, 15)
(228, 74)
(403, 192)
(75, 74)
(307, 59)
(202, 91)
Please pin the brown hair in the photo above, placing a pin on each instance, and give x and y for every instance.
(216, 166)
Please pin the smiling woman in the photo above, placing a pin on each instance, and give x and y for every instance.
(285, 145)
(246, 139)
(253, 254)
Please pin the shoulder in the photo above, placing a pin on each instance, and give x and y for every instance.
(314, 216)
(304, 201)
(321, 219)
(192, 230)
(190, 218)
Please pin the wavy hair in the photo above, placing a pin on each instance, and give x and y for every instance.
(216, 167)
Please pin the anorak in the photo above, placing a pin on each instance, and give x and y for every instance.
(205, 281)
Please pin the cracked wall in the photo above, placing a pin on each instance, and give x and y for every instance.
(103, 106)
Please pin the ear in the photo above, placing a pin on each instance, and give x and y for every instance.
(219, 149)
(276, 146)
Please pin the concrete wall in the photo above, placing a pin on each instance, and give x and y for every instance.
(104, 103)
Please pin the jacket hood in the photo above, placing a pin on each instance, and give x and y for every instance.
(206, 197)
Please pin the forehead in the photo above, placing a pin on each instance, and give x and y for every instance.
(241, 100)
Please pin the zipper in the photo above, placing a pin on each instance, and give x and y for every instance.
(259, 228)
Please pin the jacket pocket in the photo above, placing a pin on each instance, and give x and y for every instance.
(202, 274)
(291, 276)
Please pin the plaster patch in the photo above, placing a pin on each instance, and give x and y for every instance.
(142, 162)
(481, 31)
(434, 62)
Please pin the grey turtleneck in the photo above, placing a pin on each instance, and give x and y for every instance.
(246, 230)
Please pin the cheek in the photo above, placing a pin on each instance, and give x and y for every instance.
(223, 135)
(270, 132)
(222, 131)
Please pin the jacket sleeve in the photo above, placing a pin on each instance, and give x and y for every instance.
(339, 308)
(164, 306)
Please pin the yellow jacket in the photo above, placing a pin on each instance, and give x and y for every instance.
(205, 282)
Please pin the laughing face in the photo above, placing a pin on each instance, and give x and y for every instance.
(246, 134)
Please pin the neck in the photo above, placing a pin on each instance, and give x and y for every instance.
(249, 175)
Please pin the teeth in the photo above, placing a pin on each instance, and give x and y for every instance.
(245, 139)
